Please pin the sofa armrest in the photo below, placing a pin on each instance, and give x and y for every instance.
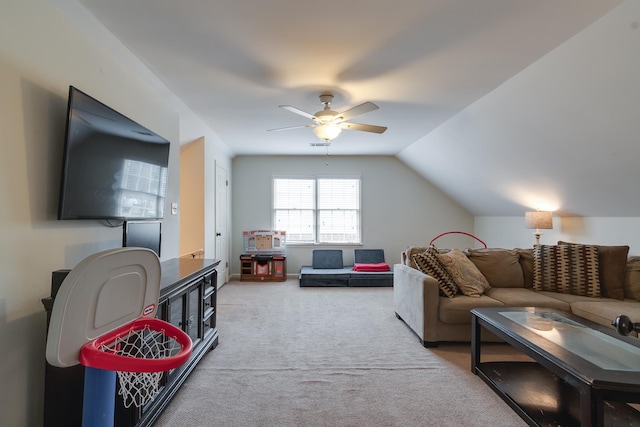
(416, 297)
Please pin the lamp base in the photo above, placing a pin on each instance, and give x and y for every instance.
(537, 234)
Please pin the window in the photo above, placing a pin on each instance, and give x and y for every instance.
(317, 210)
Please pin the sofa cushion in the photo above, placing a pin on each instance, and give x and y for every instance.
(569, 269)
(571, 298)
(371, 279)
(428, 263)
(501, 267)
(310, 276)
(458, 310)
(464, 272)
(523, 297)
(368, 256)
(612, 264)
(526, 262)
(632, 278)
(604, 314)
(327, 259)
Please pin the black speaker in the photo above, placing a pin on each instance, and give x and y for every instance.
(57, 277)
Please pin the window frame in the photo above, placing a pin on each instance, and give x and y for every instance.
(316, 210)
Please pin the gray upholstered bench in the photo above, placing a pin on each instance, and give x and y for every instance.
(327, 269)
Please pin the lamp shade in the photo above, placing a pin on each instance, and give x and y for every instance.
(539, 220)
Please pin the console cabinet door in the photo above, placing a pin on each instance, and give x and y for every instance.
(176, 311)
(209, 305)
(195, 313)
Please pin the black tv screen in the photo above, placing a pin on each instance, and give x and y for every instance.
(142, 234)
(113, 168)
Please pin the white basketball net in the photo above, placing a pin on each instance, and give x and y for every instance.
(139, 388)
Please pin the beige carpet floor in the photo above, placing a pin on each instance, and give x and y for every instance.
(291, 356)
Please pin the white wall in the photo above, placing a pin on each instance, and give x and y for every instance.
(399, 208)
(510, 232)
(560, 135)
(42, 52)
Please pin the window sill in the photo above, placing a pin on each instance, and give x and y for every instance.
(316, 245)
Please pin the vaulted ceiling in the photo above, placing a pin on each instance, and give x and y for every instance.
(505, 105)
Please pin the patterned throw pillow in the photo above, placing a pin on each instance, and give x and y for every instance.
(466, 275)
(568, 269)
(612, 263)
(428, 263)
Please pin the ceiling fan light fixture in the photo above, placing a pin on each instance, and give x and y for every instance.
(327, 131)
(327, 123)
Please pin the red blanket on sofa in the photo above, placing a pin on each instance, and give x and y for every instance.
(381, 266)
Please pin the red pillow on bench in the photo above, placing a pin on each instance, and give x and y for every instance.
(381, 266)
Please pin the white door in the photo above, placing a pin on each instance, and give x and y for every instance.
(222, 249)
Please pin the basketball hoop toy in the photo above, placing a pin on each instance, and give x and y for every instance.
(139, 352)
(103, 318)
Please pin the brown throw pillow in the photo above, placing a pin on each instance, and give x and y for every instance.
(632, 279)
(428, 263)
(612, 265)
(501, 267)
(466, 275)
(526, 262)
(568, 269)
(407, 255)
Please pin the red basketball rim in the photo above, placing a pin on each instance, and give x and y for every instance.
(93, 355)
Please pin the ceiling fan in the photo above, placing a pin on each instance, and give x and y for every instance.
(327, 124)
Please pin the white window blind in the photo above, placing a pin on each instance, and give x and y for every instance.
(339, 210)
(294, 202)
(323, 210)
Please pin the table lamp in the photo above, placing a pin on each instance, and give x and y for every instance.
(538, 220)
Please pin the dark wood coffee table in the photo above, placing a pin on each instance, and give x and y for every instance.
(581, 373)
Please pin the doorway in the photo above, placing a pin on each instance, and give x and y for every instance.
(222, 242)
(192, 199)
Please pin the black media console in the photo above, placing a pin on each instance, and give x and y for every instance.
(187, 299)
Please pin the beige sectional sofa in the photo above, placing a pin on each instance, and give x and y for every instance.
(516, 277)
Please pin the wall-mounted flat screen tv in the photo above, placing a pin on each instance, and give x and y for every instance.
(142, 234)
(113, 168)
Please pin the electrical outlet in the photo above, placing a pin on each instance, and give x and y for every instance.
(174, 209)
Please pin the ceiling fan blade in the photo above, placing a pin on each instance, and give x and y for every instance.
(297, 111)
(356, 111)
(363, 127)
(291, 127)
